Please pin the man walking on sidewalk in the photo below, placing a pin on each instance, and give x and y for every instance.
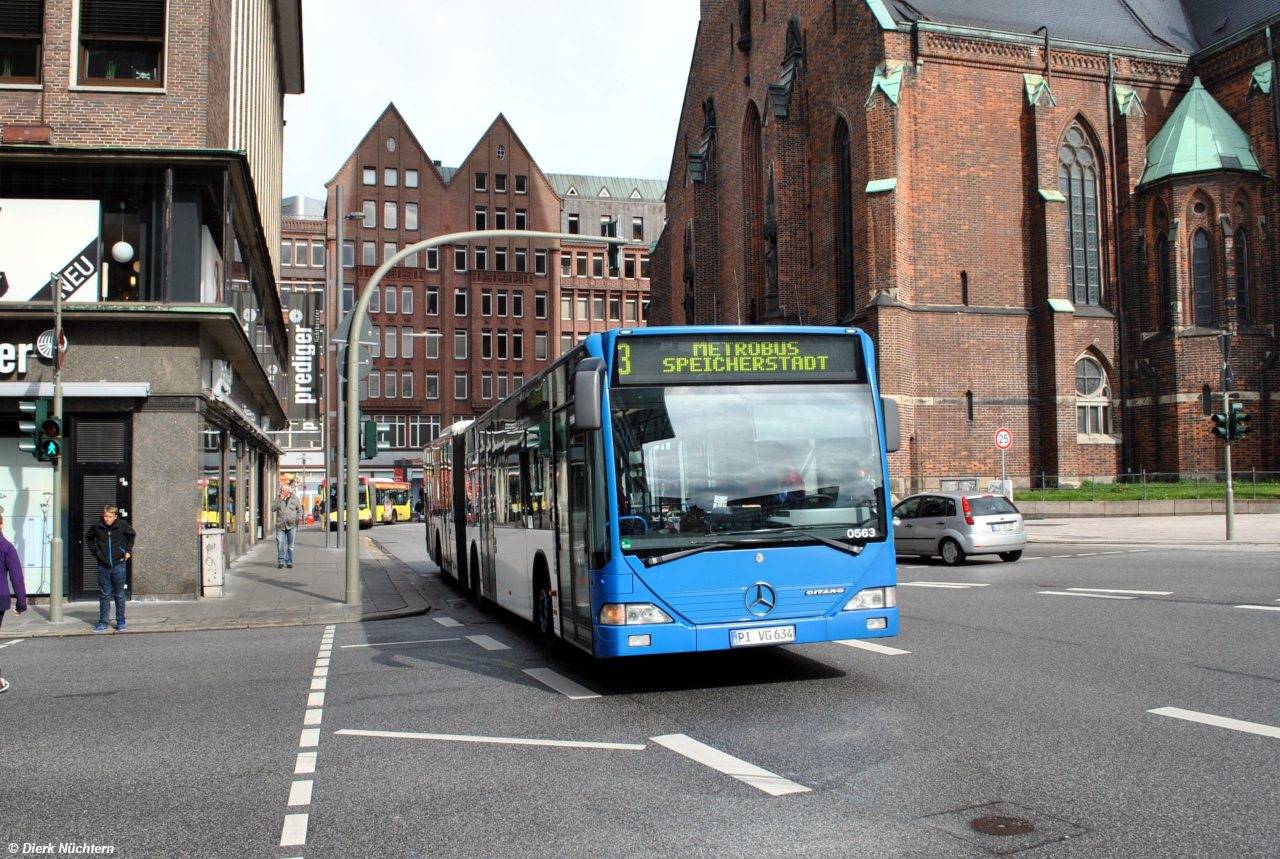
(288, 512)
(111, 541)
(10, 571)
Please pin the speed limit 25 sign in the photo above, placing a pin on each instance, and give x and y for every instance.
(1004, 438)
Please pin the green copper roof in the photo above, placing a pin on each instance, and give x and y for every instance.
(1199, 136)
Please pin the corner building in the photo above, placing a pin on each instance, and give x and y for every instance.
(1041, 232)
(140, 149)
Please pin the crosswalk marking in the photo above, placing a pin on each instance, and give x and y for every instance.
(446, 621)
(1218, 721)
(487, 643)
(561, 684)
(872, 646)
(506, 741)
(757, 777)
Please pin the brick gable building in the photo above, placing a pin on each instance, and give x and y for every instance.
(1034, 232)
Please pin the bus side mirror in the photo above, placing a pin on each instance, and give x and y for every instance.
(588, 394)
(892, 425)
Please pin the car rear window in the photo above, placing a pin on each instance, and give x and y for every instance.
(991, 505)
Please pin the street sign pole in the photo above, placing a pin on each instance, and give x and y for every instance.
(1004, 440)
(1224, 341)
(55, 554)
(358, 314)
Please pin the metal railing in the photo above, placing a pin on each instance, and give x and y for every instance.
(1248, 484)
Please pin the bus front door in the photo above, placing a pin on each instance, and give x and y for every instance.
(572, 503)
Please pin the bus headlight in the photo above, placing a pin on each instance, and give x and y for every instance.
(870, 598)
(632, 614)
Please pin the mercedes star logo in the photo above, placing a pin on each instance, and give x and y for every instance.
(761, 598)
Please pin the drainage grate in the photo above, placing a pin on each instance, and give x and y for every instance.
(1003, 828)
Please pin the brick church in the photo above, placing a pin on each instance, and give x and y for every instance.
(1045, 214)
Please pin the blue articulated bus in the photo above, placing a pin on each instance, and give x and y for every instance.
(667, 490)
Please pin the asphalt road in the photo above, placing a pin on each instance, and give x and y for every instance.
(1018, 697)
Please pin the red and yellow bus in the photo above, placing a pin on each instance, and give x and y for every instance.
(391, 502)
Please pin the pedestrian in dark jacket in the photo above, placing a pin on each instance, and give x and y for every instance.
(10, 573)
(111, 541)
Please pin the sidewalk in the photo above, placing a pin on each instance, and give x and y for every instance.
(257, 595)
(1259, 532)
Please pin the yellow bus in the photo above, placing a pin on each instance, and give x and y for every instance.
(391, 502)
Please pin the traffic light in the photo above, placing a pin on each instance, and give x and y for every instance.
(39, 411)
(50, 439)
(1220, 428)
(369, 430)
(1238, 421)
(615, 250)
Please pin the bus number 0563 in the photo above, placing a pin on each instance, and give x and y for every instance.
(855, 533)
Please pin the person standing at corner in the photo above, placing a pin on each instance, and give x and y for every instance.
(288, 511)
(10, 572)
(111, 541)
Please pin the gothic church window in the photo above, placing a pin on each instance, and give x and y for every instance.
(1093, 398)
(1201, 276)
(1078, 183)
(1168, 297)
(1242, 275)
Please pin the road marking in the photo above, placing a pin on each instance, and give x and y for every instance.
(388, 643)
(322, 661)
(310, 738)
(295, 830)
(12, 643)
(1062, 556)
(1261, 607)
(1117, 552)
(1094, 596)
(315, 699)
(1086, 554)
(873, 647)
(1218, 721)
(446, 621)
(1135, 551)
(306, 763)
(1113, 591)
(319, 683)
(300, 792)
(911, 566)
(313, 717)
(561, 684)
(951, 585)
(322, 671)
(487, 643)
(770, 783)
(505, 741)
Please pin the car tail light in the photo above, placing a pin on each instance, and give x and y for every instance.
(968, 511)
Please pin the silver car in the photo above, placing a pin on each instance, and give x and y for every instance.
(954, 525)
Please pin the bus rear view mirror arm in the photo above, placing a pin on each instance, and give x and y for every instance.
(588, 394)
(892, 425)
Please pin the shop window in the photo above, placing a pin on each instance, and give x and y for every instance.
(122, 42)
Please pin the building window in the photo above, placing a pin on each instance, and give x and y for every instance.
(375, 301)
(1164, 273)
(517, 345)
(433, 301)
(406, 342)
(566, 343)
(433, 385)
(423, 429)
(460, 302)
(369, 253)
(644, 266)
(389, 249)
(631, 310)
(582, 308)
(375, 385)
(460, 385)
(391, 331)
(968, 404)
(844, 219)
(502, 153)
(375, 348)
(581, 267)
(522, 259)
(348, 296)
(540, 345)
(482, 181)
(486, 302)
(522, 219)
(566, 264)
(459, 259)
(1093, 398)
(1201, 272)
(597, 265)
(629, 267)
(502, 344)
(433, 343)
(500, 218)
(481, 258)
(598, 307)
(122, 44)
(499, 259)
(370, 209)
(540, 304)
(371, 175)
(522, 184)
(433, 258)
(411, 216)
(317, 254)
(286, 253)
(391, 177)
(406, 300)
(615, 309)
(411, 178)
(637, 229)
(500, 182)
(1078, 183)
(502, 386)
(517, 381)
(644, 311)
(1242, 276)
(517, 303)
(460, 344)
(486, 344)
(502, 302)
(486, 386)
(411, 261)
(540, 262)
(481, 217)
(348, 254)
(605, 221)
(390, 387)
(566, 308)
(406, 384)
(574, 226)
(391, 299)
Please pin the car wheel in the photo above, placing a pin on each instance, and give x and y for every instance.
(1011, 556)
(952, 554)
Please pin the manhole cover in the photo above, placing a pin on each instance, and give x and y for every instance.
(1001, 825)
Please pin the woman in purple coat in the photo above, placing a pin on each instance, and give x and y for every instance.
(10, 571)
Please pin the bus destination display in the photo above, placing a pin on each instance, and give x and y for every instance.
(723, 359)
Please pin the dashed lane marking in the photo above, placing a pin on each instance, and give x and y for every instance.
(561, 684)
(1218, 721)
(1094, 596)
(390, 643)
(300, 792)
(951, 585)
(1117, 552)
(12, 643)
(872, 646)
(505, 741)
(446, 621)
(294, 831)
(1114, 591)
(771, 783)
(487, 643)
(1261, 607)
(306, 763)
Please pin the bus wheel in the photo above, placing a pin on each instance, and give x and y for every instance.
(544, 613)
(476, 595)
(952, 554)
(437, 555)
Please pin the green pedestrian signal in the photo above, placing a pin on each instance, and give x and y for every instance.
(1239, 422)
(615, 249)
(1220, 428)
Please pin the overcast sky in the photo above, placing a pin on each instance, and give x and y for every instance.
(591, 86)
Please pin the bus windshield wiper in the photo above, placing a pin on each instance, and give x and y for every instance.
(827, 541)
(684, 553)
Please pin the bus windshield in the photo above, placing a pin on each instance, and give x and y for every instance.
(749, 462)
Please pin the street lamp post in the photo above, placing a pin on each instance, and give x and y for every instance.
(359, 311)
